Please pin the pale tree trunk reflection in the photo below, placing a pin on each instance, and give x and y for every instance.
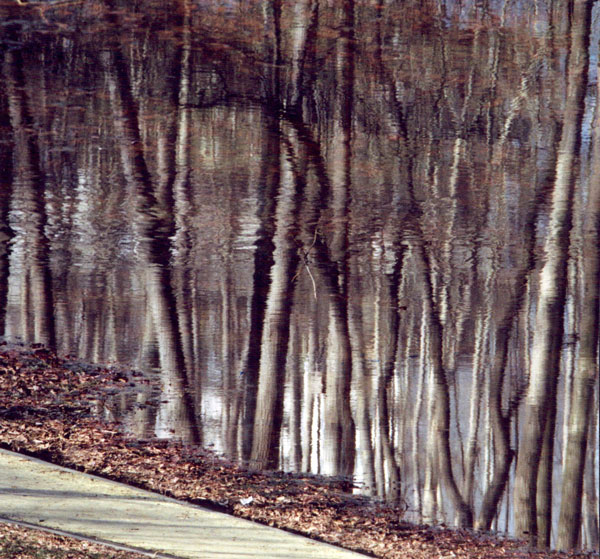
(276, 329)
(533, 478)
(339, 444)
(585, 375)
(310, 390)
(181, 193)
(591, 512)
(269, 182)
(387, 370)
(31, 188)
(294, 398)
(153, 230)
(361, 390)
(6, 233)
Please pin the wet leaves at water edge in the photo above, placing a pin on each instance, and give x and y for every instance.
(46, 410)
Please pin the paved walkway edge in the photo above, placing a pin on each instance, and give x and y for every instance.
(53, 497)
(112, 545)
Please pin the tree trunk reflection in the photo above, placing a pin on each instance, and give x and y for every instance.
(154, 231)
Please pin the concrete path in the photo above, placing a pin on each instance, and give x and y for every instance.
(49, 496)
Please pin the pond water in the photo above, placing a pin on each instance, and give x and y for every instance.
(329, 232)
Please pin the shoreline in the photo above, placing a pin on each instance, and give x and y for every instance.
(46, 412)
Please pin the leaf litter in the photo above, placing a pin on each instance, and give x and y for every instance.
(46, 410)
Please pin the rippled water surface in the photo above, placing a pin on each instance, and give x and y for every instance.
(349, 238)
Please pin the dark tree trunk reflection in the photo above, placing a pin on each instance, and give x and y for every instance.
(32, 190)
(155, 230)
(6, 177)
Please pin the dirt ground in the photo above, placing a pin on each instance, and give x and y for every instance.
(46, 407)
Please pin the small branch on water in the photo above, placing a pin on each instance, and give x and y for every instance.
(305, 260)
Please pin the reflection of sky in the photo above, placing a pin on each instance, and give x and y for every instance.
(588, 119)
(592, 93)
(595, 44)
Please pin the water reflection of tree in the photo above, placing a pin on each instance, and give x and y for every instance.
(389, 312)
(6, 233)
(29, 186)
(154, 229)
(263, 262)
(534, 472)
(580, 420)
(276, 327)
